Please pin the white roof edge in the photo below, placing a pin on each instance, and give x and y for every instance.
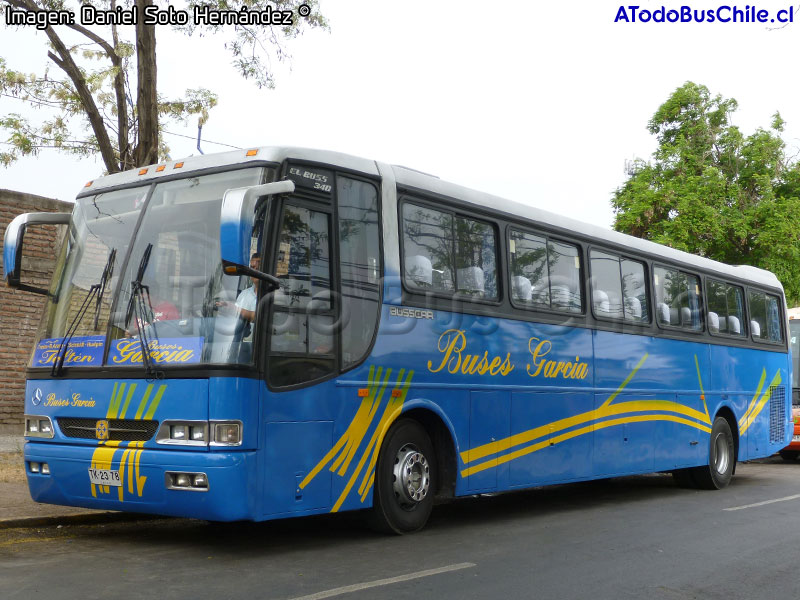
(275, 154)
(409, 177)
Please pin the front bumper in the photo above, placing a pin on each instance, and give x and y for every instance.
(231, 494)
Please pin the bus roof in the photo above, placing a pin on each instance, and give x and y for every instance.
(410, 178)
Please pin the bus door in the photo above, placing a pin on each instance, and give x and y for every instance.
(320, 326)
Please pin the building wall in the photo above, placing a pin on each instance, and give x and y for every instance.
(20, 311)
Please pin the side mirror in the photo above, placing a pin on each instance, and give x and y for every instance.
(12, 245)
(236, 220)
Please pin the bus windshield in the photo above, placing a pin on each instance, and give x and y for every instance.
(186, 309)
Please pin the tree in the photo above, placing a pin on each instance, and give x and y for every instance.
(712, 191)
(91, 109)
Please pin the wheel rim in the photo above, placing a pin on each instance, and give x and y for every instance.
(412, 476)
(721, 454)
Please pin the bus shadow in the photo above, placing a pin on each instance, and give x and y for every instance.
(340, 531)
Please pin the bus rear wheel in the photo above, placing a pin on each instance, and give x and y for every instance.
(721, 458)
(405, 478)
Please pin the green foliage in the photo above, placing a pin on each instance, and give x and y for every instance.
(89, 104)
(713, 191)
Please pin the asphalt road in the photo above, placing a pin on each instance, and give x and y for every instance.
(633, 537)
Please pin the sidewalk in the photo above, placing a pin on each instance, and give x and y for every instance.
(17, 509)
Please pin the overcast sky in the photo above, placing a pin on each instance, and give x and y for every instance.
(537, 102)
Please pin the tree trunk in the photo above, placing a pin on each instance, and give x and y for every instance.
(146, 98)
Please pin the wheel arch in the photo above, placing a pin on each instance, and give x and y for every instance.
(441, 432)
(727, 413)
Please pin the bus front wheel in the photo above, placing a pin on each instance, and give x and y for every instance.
(404, 480)
(721, 458)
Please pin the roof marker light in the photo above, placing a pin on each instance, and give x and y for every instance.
(161, 168)
(88, 183)
(252, 152)
(142, 171)
(178, 165)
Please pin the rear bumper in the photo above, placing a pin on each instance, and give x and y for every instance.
(231, 494)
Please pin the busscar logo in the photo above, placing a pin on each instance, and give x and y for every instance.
(37, 396)
(101, 430)
(412, 313)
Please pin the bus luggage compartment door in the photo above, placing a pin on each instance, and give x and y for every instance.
(489, 421)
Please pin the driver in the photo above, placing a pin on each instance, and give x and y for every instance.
(247, 299)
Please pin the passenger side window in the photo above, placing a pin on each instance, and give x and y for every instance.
(765, 316)
(678, 299)
(476, 259)
(428, 249)
(726, 309)
(447, 253)
(544, 273)
(618, 288)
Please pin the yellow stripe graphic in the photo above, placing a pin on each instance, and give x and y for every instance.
(755, 397)
(393, 410)
(152, 410)
(390, 413)
(626, 382)
(131, 390)
(113, 400)
(577, 433)
(761, 403)
(341, 455)
(351, 439)
(604, 411)
(143, 403)
(702, 391)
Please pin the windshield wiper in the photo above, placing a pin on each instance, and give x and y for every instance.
(108, 272)
(141, 310)
(98, 289)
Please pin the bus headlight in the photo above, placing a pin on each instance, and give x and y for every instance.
(38, 426)
(200, 433)
(185, 433)
(226, 433)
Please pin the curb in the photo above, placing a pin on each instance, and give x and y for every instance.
(92, 518)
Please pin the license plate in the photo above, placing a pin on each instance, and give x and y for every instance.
(796, 438)
(104, 477)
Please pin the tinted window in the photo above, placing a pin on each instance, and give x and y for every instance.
(476, 259)
(544, 274)
(765, 316)
(678, 299)
(360, 268)
(428, 249)
(725, 309)
(618, 288)
(302, 327)
(446, 253)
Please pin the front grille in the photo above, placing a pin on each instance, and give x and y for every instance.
(777, 413)
(123, 430)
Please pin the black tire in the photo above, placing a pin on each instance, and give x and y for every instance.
(684, 478)
(403, 505)
(789, 455)
(721, 458)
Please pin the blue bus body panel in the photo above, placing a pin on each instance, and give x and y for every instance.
(524, 404)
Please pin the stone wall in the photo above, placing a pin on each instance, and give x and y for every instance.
(20, 311)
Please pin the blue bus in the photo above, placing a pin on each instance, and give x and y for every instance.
(281, 332)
